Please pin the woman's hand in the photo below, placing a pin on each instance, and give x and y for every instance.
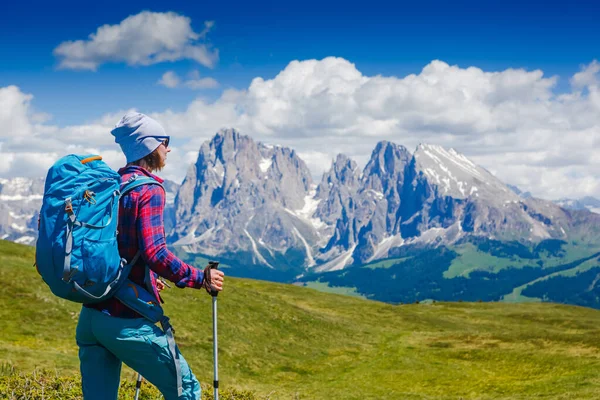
(213, 279)
(160, 285)
(216, 279)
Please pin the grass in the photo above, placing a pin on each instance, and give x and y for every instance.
(516, 296)
(470, 258)
(49, 385)
(286, 342)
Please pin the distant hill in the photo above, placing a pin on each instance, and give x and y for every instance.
(586, 203)
(287, 342)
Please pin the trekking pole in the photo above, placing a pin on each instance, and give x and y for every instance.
(214, 294)
(138, 385)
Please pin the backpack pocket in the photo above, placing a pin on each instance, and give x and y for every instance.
(101, 264)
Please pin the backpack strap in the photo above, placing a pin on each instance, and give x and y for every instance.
(169, 333)
(138, 180)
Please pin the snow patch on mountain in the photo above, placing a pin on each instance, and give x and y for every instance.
(19, 197)
(307, 212)
(259, 256)
(309, 257)
(28, 240)
(378, 195)
(383, 248)
(338, 262)
(457, 176)
(20, 216)
(265, 164)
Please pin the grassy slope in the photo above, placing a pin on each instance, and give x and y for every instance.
(292, 342)
(470, 258)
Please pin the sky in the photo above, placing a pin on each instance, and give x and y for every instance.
(514, 86)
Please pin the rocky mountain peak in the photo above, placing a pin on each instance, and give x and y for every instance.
(343, 172)
(240, 196)
(20, 201)
(387, 159)
(453, 174)
(21, 187)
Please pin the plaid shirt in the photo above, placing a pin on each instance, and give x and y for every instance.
(141, 227)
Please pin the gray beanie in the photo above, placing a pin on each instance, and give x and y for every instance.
(138, 135)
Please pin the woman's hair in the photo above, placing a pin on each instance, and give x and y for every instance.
(152, 161)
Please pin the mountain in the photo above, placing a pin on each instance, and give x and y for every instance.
(171, 189)
(431, 219)
(287, 342)
(21, 199)
(247, 201)
(518, 191)
(434, 196)
(586, 203)
(20, 202)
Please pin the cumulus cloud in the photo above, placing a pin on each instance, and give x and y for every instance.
(195, 82)
(14, 112)
(588, 76)
(512, 122)
(142, 39)
(171, 80)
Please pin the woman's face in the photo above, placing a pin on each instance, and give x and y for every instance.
(163, 150)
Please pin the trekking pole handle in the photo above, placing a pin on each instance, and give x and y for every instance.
(213, 265)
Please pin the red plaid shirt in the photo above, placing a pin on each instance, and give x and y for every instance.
(141, 227)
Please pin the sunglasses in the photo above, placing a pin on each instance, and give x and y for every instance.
(165, 140)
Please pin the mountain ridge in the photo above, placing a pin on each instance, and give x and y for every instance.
(257, 207)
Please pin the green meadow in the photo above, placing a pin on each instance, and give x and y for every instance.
(281, 341)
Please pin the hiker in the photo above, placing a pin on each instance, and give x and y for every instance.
(109, 333)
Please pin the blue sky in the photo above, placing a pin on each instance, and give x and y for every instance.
(261, 38)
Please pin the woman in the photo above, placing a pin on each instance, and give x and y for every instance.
(110, 333)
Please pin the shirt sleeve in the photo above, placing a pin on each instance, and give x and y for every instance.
(153, 245)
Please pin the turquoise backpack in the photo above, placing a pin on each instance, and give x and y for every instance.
(77, 253)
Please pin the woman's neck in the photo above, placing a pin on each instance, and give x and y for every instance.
(141, 164)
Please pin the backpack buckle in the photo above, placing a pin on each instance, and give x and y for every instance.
(88, 195)
(72, 273)
(68, 206)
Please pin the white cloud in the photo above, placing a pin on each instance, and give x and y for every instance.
(512, 122)
(142, 39)
(316, 160)
(195, 82)
(588, 76)
(171, 80)
(14, 112)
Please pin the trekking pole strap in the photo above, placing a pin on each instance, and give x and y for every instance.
(168, 329)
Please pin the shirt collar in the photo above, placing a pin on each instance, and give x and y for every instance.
(135, 169)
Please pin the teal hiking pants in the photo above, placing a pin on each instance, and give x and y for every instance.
(104, 342)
